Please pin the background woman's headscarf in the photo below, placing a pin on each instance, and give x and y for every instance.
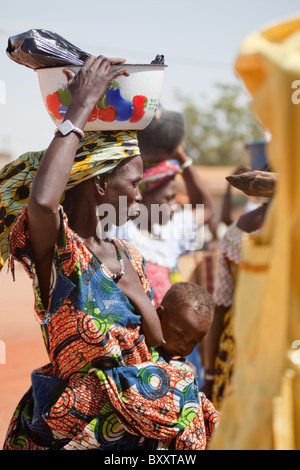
(155, 174)
(97, 153)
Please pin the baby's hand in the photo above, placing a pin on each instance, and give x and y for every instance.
(93, 78)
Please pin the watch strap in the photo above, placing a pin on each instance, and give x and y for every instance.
(66, 127)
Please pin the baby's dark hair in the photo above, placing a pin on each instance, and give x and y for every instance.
(189, 293)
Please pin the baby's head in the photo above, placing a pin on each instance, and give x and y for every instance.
(186, 313)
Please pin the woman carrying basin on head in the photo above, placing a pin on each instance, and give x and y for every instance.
(92, 297)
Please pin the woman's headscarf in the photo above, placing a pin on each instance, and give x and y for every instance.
(97, 153)
(156, 174)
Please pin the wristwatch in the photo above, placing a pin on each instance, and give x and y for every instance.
(66, 127)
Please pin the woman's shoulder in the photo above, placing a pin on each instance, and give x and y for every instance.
(68, 249)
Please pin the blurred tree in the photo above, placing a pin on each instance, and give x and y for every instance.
(216, 133)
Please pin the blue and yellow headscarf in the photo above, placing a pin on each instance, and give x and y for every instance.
(97, 153)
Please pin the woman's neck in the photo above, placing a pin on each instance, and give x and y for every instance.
(83, 219)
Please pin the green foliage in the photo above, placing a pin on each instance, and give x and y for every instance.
(216, 133)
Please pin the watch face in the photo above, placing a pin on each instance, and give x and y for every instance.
(66, 127)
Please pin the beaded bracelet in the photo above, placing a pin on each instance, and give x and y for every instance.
(209, 376)
(186, 164)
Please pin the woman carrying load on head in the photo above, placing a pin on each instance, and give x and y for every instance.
(92, 297)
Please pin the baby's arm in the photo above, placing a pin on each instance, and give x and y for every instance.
(150, 322)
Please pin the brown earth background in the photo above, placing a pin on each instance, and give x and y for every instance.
(22, 341)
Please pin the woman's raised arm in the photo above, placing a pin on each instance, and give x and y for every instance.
(197, 191)
(50, 182)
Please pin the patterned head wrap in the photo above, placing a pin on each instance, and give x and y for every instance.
(97, 153)
(156, 174)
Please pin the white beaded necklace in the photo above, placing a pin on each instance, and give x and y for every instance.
(119, 256)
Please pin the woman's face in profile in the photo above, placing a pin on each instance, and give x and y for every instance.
(164, 196)
(123, 191)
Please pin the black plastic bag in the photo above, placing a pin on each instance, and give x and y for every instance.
(38, 48)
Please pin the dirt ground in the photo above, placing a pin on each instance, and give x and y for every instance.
(21, 344)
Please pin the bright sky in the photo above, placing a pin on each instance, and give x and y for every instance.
(199, 39)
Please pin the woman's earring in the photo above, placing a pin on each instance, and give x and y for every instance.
(101, 184)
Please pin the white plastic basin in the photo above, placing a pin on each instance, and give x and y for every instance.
(129, 102)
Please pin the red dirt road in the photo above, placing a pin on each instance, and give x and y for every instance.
(20, 339)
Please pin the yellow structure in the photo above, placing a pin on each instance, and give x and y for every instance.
(262, 409)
